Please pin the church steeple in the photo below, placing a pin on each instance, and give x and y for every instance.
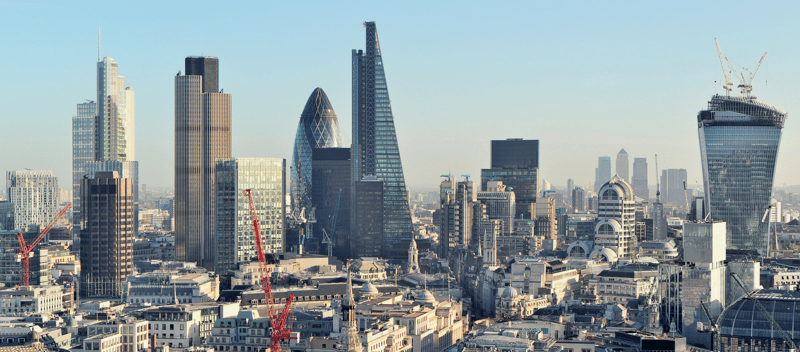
(348, 335)
(413, 257)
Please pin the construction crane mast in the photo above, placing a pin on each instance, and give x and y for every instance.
(728, 73)
(26, 249)
(745, 84)
(713, 329)
(328, 239)
(279, 330)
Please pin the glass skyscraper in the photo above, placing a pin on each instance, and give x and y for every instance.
(235, 240)
(375, 150)
(82, 150)
(318, 128)
(515, 162)
(739, 140)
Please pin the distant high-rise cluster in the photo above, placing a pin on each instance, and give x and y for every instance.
(622, 165)
(639, 178)
(672, 187)
(103, 130)
(602, 173)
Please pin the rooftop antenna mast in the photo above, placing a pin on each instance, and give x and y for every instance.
(98, 44)
(658, 185)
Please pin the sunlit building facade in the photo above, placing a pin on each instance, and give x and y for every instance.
(202, 135)
(739, 139)
(34, 195)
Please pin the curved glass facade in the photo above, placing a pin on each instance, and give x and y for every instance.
(318, 128)
(739, 139)
(742, 325)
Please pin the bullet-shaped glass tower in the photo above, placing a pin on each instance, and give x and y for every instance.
(318, 128)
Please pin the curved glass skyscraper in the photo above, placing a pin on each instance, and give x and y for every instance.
(739, 140)
(318, 128)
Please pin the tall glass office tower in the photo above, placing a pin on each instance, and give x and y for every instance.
(235, 239)
(739, 140)
(375, 150)
(318, 128)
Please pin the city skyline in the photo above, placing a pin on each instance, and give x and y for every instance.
(624, 79)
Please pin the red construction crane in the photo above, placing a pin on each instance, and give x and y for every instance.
(279, 329)
(25, 250)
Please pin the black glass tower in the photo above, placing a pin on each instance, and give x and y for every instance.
(331, 194)
(516, 162)
(375, 150)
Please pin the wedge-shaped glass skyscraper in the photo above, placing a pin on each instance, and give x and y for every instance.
(375, 150)
(739, 140)
(318, 128)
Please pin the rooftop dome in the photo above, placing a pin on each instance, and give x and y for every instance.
(509, 292)
(425, 297)
(368, 289)
(743, 320)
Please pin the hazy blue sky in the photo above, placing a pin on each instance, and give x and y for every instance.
(585, 78)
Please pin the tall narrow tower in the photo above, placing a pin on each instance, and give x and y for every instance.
(106, 245)
(103, 130)
(348, 335)
(375, 149)
(622, 165)
(639, 178)
(115, 119)
(602, 173)
(202, 135)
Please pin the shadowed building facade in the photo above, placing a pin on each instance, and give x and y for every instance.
(739, 138)
(515, 162)
(202, 135)
(106, 233)
(331, 173)
(375, 149)
(639, 178)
